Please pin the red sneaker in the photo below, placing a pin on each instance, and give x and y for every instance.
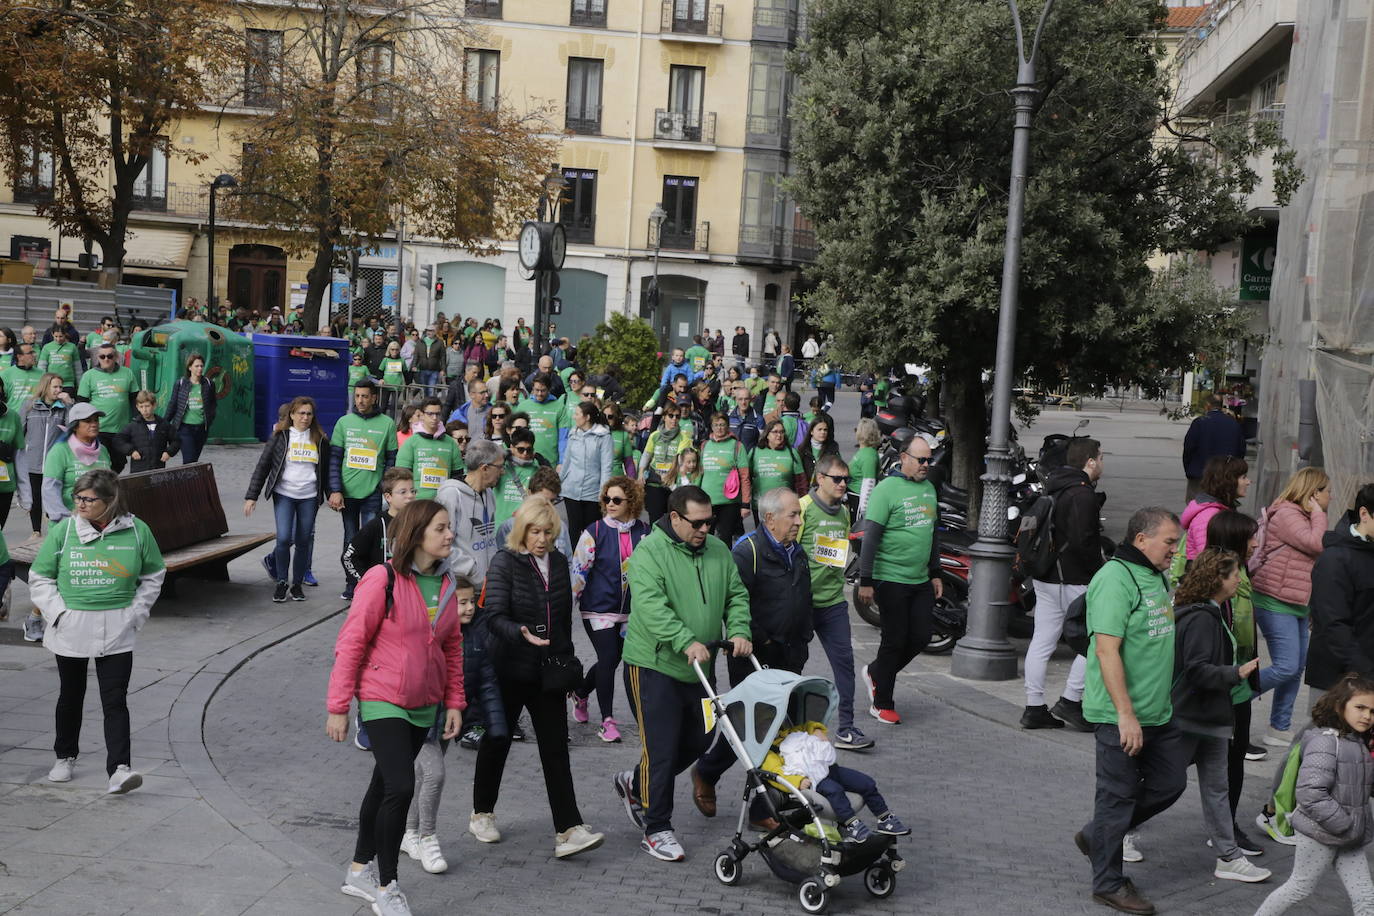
(885, 716)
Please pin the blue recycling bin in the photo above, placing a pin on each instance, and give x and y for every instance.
(289, 366)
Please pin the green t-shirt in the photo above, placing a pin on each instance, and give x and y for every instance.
(863, 466)
(662, 449)
(546, 419)
(512, 489)
(60, 359)
(422, 717)
(364, 444)
(907, 510)
(1132, 602)
(623, 451)
(61, 464)
(1270, 603)
(20, 385)
(94, 339)
(1243, 631)
(432, 461)
(195, 407)
(6, 359)
(770, 468)
(825, 540)
(355, 375)
(717, 459)
(698, 357)
(12, 434)
(102, 575)
(109, 391)
(393, 371)
(771, 402)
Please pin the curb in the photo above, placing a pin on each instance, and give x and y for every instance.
(186, 735)
(961, 695)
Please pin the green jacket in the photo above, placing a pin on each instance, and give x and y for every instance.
(680, 596)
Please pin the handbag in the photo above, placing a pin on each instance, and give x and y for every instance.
(559, 672)
(732, 481)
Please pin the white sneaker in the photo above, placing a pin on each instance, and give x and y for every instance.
(1269, 824)
(431, 857)
(577, 839)
(123, 780)
(391, 902)
(1241, 869)
(363, 883)
(1130, 852)
(483, 826)
(1277, 738)
(663, 845)
(62, 770)
(868, 683)
(410, 844)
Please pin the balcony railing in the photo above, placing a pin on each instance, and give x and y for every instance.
(154, 201)
(677, 19)
(774, 243)
(685, 126)
(585, 13)
(677, 236)
(767, 130)
(1273, 113)
(775, 23)
(584, 122)
(581, 230)
(484, 9)
(29, 194)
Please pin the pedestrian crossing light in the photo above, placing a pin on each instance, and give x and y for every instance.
(427, 276)
(438, 289)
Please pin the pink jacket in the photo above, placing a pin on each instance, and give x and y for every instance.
(1292, 542)
(398, 658)
(1195, 518)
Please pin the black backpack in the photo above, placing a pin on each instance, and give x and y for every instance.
(1035, 553)
(1076, 633)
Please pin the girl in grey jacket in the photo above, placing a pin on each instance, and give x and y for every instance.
(1332, 820)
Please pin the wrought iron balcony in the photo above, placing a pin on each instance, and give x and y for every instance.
(484, 9)
(679, 22)
(588, 14)
(680, 236)
(586, 121)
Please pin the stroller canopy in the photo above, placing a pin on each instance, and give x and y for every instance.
(767, 700)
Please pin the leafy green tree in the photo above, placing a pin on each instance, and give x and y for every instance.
(901, 159)
(630, 345)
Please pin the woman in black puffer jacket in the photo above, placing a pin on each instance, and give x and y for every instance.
(527, 611)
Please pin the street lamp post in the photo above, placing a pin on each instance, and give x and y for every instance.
(221, 181)
(554, 187)
(657, 216)
(984, 653)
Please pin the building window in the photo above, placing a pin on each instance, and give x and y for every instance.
(685, 88)
(484, 9)
(689, 16)
(680, 200)
(588, 13)
(584, 95)
(376, 63)
(35, 182)
(262, 70)
(767, 122)
(578, 213)
(150, 187)
(483, 70)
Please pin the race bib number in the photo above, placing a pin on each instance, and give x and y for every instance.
(360, 459)
(430, 478)
(4, 472)
(304, 451)
(662, 466)
(831, 551)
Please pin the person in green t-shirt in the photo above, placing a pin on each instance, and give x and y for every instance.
(21, 379)
(11, 444)
(697, 356)
(775, 463)
(111, 388)
(358, 370)
(429, 453)
(59, 357)
(71, 457)
(656, 464)
(364, 446)
(863, 467)
(900, 569)
(514, 485)
(721, 455)
(1141, 759)
(394, 373)
(549, 418)
(95, 578)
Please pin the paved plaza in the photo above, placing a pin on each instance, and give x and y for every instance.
(248, 809)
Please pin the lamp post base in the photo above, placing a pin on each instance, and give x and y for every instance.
(984, 653)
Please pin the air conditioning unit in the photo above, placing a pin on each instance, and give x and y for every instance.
(672, 125)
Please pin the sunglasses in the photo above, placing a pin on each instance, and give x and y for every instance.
(838, 478)
(522, 450)
(462, 439)
(613, 500)
(924, 459)
(499, 416)
(699, 523)
(103, 356)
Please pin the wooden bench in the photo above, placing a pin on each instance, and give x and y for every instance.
(181, 506)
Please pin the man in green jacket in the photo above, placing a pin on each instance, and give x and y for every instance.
(687, 592)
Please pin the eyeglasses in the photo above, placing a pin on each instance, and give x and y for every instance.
(522, 450)
(699, 523)
(432, 413)
(923, 459)
(838, 478)
(613, 500)
(462, 440)
(87, 500)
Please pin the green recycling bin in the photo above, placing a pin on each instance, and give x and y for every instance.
(159, 357)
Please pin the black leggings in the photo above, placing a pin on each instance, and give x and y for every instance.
(36, 509)
(382, 818)
(655, 503)
(1235, 753)
(729, 523)
(6, 500)
(608, 644)
(581, 513)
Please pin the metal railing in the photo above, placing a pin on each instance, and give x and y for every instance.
(771, 20)
(768, 130)
(677, 237)
(484, 9)
(585, 122)
(775, 243)
(581, 229)
(584, 14)
(676, 23)
(1273, 113)
(685, 126)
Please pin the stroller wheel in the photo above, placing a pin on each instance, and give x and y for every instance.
(880, 881)
(728, 869)
(813, 896)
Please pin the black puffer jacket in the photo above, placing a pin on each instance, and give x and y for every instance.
(1342, 606)
(516, 596)
(181, 400)
(1204, 668)
(1077, 526)
(272, 459)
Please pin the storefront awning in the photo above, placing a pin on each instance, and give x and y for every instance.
(152, 252)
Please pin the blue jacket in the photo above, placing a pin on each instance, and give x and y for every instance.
(671, 371)
(786, 366)
(1214, 433)
(747, 428)
(586, 458)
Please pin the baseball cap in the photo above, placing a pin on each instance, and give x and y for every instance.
(83, 411)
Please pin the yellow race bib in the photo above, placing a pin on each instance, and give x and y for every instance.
(831, 551)
(430, 478)
(304, 451)
(360, 459)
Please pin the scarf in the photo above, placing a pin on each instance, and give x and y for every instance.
(85, 454)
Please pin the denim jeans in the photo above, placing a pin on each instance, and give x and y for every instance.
(192, 441)
(429, 378)
(295, 525)
(1286, 637)
(358, 512)
(832, 629)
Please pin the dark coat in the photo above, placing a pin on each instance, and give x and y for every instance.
(1077, 526)
(181, 399)
(516, 595)
(429, 357)
(1213, 433)
(739, 345)
(1342, 607)
(136, 438)
(1204, 667)
(779, 595)
(268, 470)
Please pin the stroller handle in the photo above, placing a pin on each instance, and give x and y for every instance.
(725, 646)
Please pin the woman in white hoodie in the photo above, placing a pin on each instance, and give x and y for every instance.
(95, 579)
(584, 467)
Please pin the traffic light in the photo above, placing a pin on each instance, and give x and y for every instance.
(438, 289)
(427, 276)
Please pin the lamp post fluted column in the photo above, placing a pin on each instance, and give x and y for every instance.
(984, 653)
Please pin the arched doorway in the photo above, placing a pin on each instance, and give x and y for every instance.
(257, 277)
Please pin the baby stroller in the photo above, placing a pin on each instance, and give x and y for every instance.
(749, 717)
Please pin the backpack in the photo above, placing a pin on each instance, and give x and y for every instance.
(1076, 618)
(1285, 797)
(1258, 558)
(1036, 556)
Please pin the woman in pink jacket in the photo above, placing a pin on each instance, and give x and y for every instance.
(400, 652)
(1281, 573)
(1225, 481)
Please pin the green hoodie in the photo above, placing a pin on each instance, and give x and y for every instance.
(681, 596)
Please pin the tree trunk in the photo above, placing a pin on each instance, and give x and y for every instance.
(319, 279)
(962, 392)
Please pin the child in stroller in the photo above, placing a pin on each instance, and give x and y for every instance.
(804, 756)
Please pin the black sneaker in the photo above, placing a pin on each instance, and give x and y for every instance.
(1039, 717)
(279, 595)
(1247, 846)
(297, 593)
(517, 733)
(1071, 712)
(472, 737)
(1255, 752)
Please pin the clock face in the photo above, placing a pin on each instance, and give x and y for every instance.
(558, 246)
(531, 246)
(524, 272)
